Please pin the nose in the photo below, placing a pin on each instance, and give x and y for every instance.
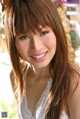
(36, 43)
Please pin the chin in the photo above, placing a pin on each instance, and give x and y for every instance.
(41, 65)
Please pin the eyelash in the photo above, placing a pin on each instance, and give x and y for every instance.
(43, 33)
(24, 38)
(27, 37)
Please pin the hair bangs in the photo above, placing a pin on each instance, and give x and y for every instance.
(28, 18)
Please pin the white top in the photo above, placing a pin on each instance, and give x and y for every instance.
(25, 113)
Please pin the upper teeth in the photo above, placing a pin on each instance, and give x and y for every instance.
(39, 56)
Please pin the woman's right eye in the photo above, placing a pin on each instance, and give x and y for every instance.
(24, 37)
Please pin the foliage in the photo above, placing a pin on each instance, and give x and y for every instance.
(0, 16)
(74, 39)
(10, 109)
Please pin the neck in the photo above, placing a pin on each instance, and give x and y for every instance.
(41, 73)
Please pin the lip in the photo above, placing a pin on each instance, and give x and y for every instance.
(37, 55)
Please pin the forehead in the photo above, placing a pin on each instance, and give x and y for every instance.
(30, 22)
(40, 28)
(34, 29)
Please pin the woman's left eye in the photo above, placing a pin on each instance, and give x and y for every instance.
(43, 33)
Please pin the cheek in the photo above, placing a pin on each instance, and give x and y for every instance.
(22, 48)
(51, 42)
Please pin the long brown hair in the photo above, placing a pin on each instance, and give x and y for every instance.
(25, 16)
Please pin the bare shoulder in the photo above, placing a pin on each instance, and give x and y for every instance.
(75, 75)
(13, 83)
(74, 93)
(13, 80)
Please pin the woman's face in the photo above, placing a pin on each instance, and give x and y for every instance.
(38, 49)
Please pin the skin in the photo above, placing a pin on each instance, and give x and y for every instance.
(74, 97)
(29, 45)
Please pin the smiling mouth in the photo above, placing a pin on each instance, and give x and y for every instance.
(41, 56)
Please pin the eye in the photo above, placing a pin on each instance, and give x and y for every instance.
(44, 33)
(24, 37)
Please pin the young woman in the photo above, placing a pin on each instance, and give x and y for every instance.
(45, 82)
